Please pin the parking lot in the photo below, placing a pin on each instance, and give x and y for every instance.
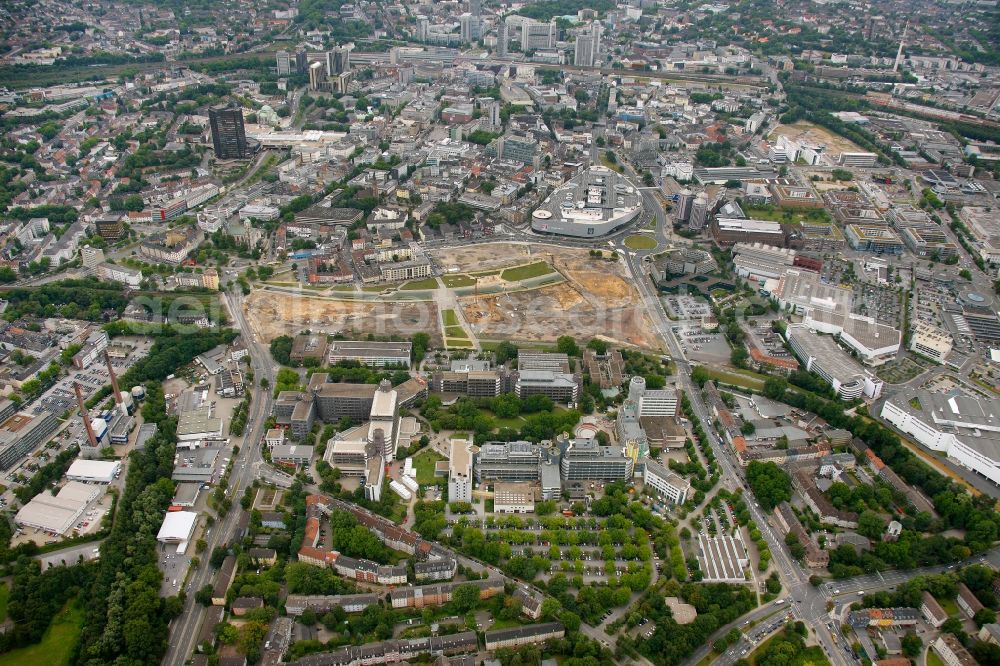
(880, 303)
(703, 346)
(686, 307)
(902, 370)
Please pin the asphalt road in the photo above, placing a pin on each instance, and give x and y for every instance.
(184, 629)
(70, 556)
(807, 602)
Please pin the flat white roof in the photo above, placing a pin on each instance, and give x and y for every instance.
(384, 405)
(93, 470)
(177, 526)
(57, 514)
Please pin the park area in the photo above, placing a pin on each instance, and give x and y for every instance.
(423, 465)
(57, 644)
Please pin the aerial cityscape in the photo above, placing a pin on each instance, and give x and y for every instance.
(465, 333)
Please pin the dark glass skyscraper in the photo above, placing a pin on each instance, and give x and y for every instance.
(228, 135)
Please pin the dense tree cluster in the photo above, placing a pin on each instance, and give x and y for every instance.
(172, 349)
(429, 520)
(544, 11)
(76, 299)
(717, 605)
(355, 540)
(36, 598)
(771, 485)
(307, 579)
(957, 509)
(126, 618)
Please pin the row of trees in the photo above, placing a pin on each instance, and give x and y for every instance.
(127, 620)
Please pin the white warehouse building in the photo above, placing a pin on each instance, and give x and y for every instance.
(966, 429)
(93, 471)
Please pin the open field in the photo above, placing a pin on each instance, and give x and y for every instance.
(423, 465)
(595, 300)
(426, 283)
(787, 215)
(57, 644)
(803, 131)
(485, 256)
(742, 378)
(537, 269)
(638, 242)
(449, 318)
(273, 313)
(457, 280)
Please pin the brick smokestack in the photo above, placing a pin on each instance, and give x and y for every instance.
(91, 437)
(114, 379)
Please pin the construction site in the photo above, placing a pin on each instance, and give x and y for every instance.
(592, 298)
(804, 132)
(499, 291)
(274, 313)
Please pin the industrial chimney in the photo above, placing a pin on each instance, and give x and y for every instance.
(91, 437)
(114, 380)
(124, 401)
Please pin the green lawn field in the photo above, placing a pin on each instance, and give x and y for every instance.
(57, 644)
(537, 269)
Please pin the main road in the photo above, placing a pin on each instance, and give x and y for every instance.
(807, 602)
(184, 629)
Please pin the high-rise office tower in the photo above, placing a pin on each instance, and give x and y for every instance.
(583, 54)
(502, 38)
(699, 212)
(685, 199)
(284, 62)
(491, 110)
(317, 76)
(476, 24)
(469, 28)
(588, 47)
(228, 135)
(301, 62)
(338, 61)
(423, 27)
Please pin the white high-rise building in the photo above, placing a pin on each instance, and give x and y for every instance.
(665, 482)
(91, 256)
(460, 471)
(317, 76)
(533, 34)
